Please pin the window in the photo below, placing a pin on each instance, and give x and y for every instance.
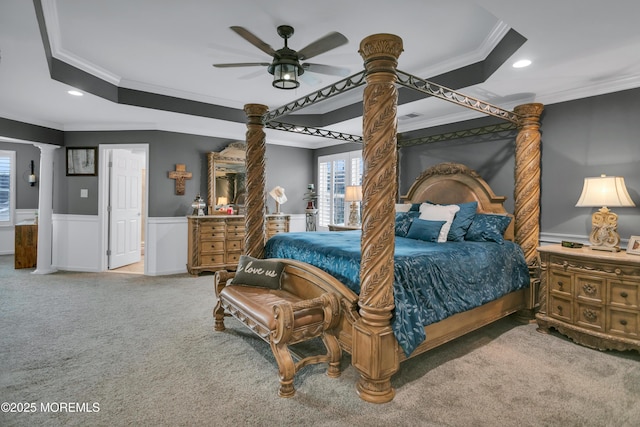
(335, 172)
(7, 187)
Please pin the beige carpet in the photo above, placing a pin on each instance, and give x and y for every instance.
(141, 351)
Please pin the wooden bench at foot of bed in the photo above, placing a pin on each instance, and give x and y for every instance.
(294, 313)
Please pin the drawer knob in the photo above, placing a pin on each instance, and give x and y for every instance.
(560, 284)
(560, 308)
(624, 294)
(623, 322)
(589, 289)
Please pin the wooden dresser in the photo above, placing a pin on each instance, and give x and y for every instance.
(593, 297)
(215, 242)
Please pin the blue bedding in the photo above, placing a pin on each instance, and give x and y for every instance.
(432, 281)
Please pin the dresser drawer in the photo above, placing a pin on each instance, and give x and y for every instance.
(233, 257)
(590, 316)
(212, 233)
(626, 323)
(560, 308)
(623, 294)
(235, 227)
(560, 282)
(235, 245)
(211, 246)
(209, 260)
(590, 288)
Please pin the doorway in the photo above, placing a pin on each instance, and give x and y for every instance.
(123, 207)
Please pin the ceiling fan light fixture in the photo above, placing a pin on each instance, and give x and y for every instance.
(285, 75)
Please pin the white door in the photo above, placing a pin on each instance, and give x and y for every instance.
(125, 208)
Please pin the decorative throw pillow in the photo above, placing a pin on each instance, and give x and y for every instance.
(439, 213)
(264, 273)
(462, 221)
(403, 222)
(488, 228)
(422, 229)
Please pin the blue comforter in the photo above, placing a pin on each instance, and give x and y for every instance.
(432, 281)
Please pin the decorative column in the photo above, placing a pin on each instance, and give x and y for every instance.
(375, 349)
(527, 177)
(45, 210)
(255, 181)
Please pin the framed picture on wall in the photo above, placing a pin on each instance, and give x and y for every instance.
(634, 245)
(82, 161)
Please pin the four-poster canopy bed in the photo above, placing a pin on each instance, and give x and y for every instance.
(365, 326)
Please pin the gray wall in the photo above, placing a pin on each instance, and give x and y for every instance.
(166, 149)
(285, 166)
(292, 169)
(581, 138)
(288, 167)
(26, 196)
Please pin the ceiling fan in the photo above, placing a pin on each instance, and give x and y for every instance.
(285, 66)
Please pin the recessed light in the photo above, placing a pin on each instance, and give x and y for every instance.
(75, 93)
(521, 63)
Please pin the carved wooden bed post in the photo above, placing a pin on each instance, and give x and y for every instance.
(375, 352)
(255, 181)
(527, 178)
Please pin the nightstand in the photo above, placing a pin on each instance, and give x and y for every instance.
(592, 297)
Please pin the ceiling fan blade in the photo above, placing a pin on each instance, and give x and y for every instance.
(326, 69)
(309, 79)
(323, 44)
(243, 64)
(254, 40)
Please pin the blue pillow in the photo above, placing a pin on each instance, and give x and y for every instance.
(488, 228)
(403, 222)
(461, 221)
(423, 229)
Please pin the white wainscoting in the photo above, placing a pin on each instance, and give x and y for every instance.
(297, 222)
(166, 246)
(76, 245)
(8, 234)
(553, 238)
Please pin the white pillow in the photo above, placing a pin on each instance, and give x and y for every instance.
(439, 213)
(403, 207)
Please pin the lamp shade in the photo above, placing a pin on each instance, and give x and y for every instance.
(223, 200)
(604, 191)
(353, 193)
(277, 193)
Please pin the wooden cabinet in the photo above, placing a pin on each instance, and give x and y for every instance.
(593, 297)
(26, 246)
(215, 242)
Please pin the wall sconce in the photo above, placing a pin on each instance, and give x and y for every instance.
(353, 194)
(32, 176)
(601, 192)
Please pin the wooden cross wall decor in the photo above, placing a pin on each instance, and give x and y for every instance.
(180, 174)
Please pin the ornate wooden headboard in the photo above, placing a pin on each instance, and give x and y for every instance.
(448, 183)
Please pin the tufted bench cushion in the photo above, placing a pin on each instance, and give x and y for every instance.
(258, 303)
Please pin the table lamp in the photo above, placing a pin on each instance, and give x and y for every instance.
(278, 195)
(353, 194)
(604, 192)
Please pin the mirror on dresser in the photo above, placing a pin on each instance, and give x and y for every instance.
(227, 174)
